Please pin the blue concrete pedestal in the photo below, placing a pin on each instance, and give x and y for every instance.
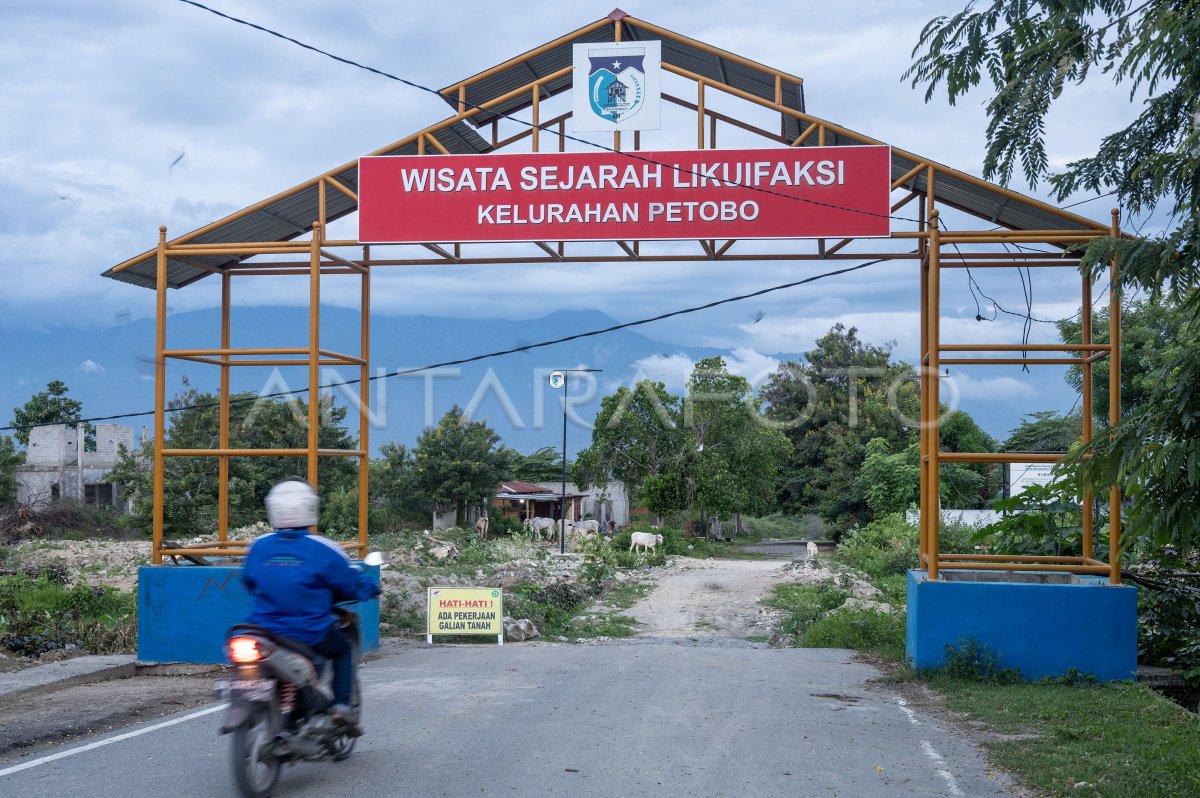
(184, 612)
(1044, 624)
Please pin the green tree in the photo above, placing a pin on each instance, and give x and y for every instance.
(544, 465)
(890, 482)
(1153, 455)
(1152, 332)
(190, 493)
(735, 458)
(457, 463)
(1030, 51)
(963, 485)
(10, 458)
(844, 394)
(708, 453)
(393, 482)
(637, 436)
(1044, 431)
(51, 406)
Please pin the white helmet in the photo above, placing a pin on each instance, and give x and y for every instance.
(292, 504)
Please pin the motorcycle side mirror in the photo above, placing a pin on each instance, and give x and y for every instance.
(373, 559)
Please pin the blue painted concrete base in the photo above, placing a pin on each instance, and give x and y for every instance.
(184, 612)
(1042, 629)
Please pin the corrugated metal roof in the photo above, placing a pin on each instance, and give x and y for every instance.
(681, 52)
(289, 216)
(988, 202)
(516, 486)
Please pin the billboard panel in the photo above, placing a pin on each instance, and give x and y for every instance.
(802, 192)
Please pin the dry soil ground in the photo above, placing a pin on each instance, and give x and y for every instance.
(711, 598)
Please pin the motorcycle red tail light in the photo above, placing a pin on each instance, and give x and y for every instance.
(244, 649)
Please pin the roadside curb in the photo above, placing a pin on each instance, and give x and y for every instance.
(68, 673)
(177, 668)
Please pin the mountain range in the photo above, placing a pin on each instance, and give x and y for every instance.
(111, 370)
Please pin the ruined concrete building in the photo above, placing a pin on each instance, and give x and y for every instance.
(59, 466)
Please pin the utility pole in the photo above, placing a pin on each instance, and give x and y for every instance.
(558, 379)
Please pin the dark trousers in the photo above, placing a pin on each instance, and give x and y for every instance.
(336, 648)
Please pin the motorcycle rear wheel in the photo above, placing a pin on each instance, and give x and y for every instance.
(255, 770)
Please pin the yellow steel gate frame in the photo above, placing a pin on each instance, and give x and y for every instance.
(930, 239)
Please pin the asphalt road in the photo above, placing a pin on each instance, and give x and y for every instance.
(643, 717)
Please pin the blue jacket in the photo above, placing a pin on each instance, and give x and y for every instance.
(295, 578)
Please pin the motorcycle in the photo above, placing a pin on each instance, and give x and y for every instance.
(279, 696)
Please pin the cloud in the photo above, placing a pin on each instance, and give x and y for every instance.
(674, 371)
(988, 388)
(671, 370)
(752, 365)
(154, 80)
(91, 367)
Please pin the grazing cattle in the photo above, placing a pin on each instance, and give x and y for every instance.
(644, 541)
(481, 526)
(540, 525)
(591, 526)
(812, 550)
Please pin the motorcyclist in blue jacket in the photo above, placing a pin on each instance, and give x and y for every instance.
(295, 577)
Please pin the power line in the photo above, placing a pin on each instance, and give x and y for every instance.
(420, 87)
(473, 358)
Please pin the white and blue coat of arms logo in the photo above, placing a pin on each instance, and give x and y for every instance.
(616, 83)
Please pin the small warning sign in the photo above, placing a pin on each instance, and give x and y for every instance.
(465, 611)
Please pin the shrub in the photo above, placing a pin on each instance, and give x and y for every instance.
(884, 547)
(1169, 617)
(501, 524)
(1043, 519)
(804, 603)
(39, 615)
(551, 608)
(974, 662)
(880, 633)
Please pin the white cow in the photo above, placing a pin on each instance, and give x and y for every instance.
(540, 525)
(644, 540)
(812, 550)
(591, 526)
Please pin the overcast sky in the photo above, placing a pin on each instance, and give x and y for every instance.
(100, 99)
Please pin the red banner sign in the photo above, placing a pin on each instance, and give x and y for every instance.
(801, 192)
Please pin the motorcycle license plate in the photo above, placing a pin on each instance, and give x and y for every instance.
(244, 689)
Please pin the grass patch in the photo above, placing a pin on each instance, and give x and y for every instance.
(625, 594)
(606, 625)
(804, 603)
(41, 614)
(1113, 740)
(878, 633)
(1119, 739)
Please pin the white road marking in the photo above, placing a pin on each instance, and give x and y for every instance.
(940, 765)
(109, 741)
(912, 716)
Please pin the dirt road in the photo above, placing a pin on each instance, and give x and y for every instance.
(710, 598)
